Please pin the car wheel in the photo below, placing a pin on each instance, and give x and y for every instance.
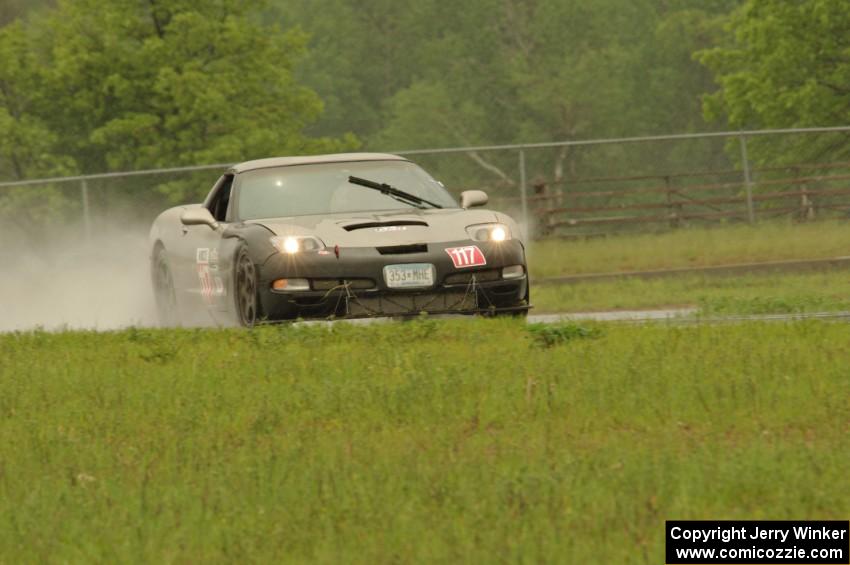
(164, 293)
(247, 300)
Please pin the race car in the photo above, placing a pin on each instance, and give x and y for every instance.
(334, 236)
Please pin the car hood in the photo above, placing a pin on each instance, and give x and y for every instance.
(374, 229)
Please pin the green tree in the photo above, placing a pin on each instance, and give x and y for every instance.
(361, 53)
(676, 81)
(785, 64)
(10, 10)
(28, 145)
(126, 84)
(513, 71)
(29, 148)
(182, 82)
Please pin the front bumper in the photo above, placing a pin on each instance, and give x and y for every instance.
(352, 284)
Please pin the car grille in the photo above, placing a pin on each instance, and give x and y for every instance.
(354, 284)
(466, 278)
(412, 304)
(402, 249)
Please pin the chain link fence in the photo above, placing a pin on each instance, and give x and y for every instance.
(581, 188)
(555, 189)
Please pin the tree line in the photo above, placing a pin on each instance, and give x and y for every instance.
(91, 86)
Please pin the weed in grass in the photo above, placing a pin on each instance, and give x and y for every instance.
(550, 335)
(765, 304)
(159, 353)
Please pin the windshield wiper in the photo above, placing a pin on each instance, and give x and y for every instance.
(392, 192)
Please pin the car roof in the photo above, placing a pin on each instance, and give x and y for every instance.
(313, 160)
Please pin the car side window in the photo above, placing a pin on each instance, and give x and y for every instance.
(221, 199)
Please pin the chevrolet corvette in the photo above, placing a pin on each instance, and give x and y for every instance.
(334, 236)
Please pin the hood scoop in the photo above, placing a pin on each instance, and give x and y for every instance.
(392, 224)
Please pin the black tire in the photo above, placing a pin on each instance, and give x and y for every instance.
(163, 287)
(522, 314)
(526, 302)
(245, 290)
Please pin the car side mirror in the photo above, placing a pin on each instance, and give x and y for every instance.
(470, 198)
(198, 217)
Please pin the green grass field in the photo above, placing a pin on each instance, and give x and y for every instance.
(475, 441)
(696, 247)
(760, 293)
(779, 293)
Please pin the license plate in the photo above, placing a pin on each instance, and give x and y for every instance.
(411, 275)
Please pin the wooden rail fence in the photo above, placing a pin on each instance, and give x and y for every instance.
(805, 191)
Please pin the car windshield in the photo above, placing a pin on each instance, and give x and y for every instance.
(305, 190)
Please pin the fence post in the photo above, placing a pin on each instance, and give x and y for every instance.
(748, 182)
(807, 211)
(543, 203)
(84, 192)
(673, 208)
(526, 227)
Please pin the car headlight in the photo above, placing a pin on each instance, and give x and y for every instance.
(489, 232)
(292, 244)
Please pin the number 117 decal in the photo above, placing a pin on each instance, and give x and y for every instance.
(469, 256)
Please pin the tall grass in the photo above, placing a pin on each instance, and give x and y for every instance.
(770, 241)
(745, 294)
(456, 441)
